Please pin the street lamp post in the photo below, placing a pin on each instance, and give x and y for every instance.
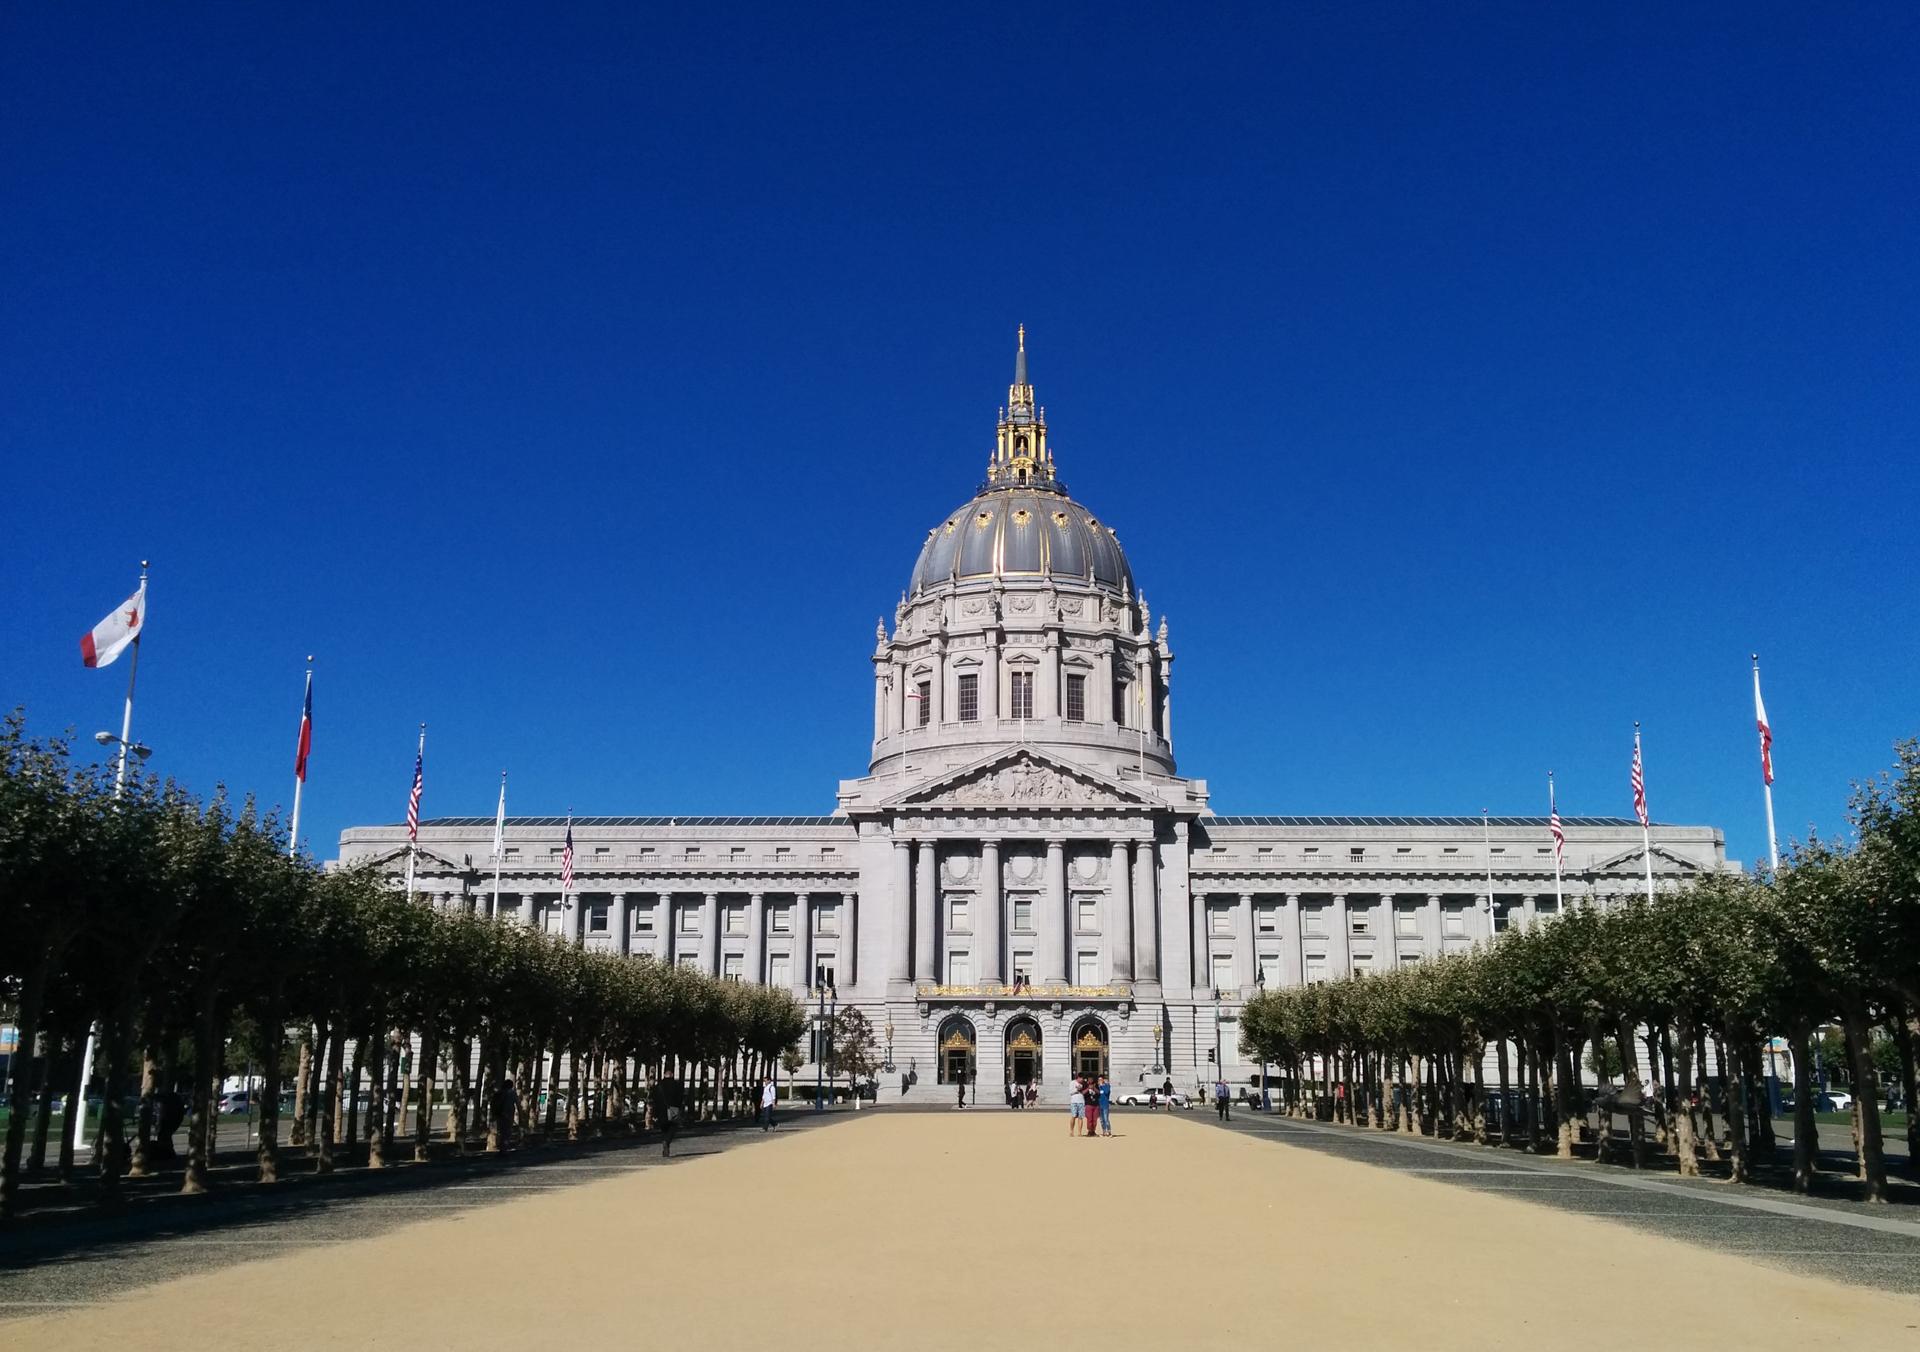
(1219, 1058)
(1266, 1096)
(823, 1040)
(1158, 1069)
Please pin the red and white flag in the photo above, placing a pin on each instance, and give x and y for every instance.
(1639, 781)
(111, 636)
(413, 795)
(566, 859)
(1766, 729)
(1554, 826)
(305, 744)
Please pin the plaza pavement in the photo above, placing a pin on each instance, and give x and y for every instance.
(948, 1230)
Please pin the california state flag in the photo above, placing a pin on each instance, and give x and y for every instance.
(111, 636)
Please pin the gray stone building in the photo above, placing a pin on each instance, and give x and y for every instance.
(1023, 884)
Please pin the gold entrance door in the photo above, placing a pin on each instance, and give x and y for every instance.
(1090, 1052)
(956, 1052)
(1023, 1053)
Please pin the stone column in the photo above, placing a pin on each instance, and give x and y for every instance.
(879, 700)
(1100, 699)
(1340, 941)
(939, 690)
(1146, 942)
(710, 934)
(1200, 927)
(992, 925)
(850, 936)
(1436, 936)
(990, 680)
(926, 962)
(1389, 931)
(900, 910)
(1176, 928)
(1119, 924)
(1292, 943)
(1053, 920)
(1530, 911)
(1046, 700)
(526, 910)
(756, 938)
(803, 943)
(1244, 965)
(622, 922)
(666, 928)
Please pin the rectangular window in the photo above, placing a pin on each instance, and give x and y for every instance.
(1023, 965)
(1020, 686)
(969, 697)
(691, 961)
(1220, 919)
(826, 919)
(689, 919)
(1076, 698)
(1313, 921)
(643, 918)
(1406, 919)
(1316, 967)
(781, 970)
(1267, 920)
(1023, 914)
(733, 966)
(737, 853)
(925, 701)
(1546, 906)
(1086, 968)
(690, 851)
(1500, 919)
(957, 917)
(1455, 920)
(783, 851)
(1362, 963)
(647, 852)
(1270, 970)
(602, 851)
(960, 967)
(1409, 959)
(736, 920)
(779, 919)
(513, 851)
(555, 919)
(1086, 914)
(823, 971)
(1359, 924)
(1223, 972)
(597, 917)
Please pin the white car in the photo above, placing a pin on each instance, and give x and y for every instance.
(1838, 1100)
(1151, 1096)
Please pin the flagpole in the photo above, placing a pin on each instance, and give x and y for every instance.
(413, 842)
(1559, 900)
(1486, 840)
(300, 780)
(133, 670)
(1766, 779)
(1646, 830)
(499, 839)
(79, 1129)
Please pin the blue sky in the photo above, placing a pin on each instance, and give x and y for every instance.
(1464, 386)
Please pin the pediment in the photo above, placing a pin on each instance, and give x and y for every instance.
(425, 861)
(1023, 777)
(1634, 857)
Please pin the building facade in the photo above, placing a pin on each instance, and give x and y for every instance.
(1023, 885)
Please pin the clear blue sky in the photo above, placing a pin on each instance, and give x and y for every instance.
(1464, 385)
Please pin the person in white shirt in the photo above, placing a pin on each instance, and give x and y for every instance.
(766, 1103)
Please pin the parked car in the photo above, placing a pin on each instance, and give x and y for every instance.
(234, 1101)
(1834, 1101)
(1151, 1096)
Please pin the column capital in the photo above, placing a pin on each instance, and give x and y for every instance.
(1293, 898)
(1340, 898)
(1432, 898)
(755, 897)
(1246, 898)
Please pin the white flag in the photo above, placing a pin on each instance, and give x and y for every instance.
(111, 636)
(500, 820)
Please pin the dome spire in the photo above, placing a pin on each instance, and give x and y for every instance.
(1020, 453)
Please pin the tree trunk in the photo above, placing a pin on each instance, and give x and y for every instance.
(52, 1069)
(109, 1150)
(573, 1093)
(1630, 1072)
(377, 1038)
(330, 1099)
(352, 1091)
(1806, 1137)
(150, 1072)
(1682, 1109)
(1565, 1104)
(76, 1101)
(423, 1123)
(553, 1093)
(206, 1057)
(1709, 1137)
(322, 1038)
(1506, 1101)
(397, 1118)
(20, 1089)
(460, 1072)
(1738, 1087)
(1866, 1103)
(1479, 1108)
(273, 1033)
(1902, 1031)
(297, 1129)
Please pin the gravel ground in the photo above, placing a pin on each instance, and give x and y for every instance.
(957, 1230)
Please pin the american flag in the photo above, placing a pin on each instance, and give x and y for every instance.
(566, 859)
(413, 797)
(305, 743)
(1553, 825)
(1639, 780)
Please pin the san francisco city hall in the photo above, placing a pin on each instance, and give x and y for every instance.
(1022, 882)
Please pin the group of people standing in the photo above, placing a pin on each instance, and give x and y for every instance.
(1091, 1102)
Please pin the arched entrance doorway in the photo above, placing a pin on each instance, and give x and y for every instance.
(1089, 1049)
(1023, 1051)
(956, 1051)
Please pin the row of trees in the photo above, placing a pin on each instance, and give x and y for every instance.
(179, 930)
(1726, 962)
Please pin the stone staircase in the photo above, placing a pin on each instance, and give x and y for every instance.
(929, 1093)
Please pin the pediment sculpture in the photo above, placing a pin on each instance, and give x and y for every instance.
(1023, 781)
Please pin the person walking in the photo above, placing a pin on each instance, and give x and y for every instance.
(960, 1082)
(1106, 1105)
(666, 1111)
(1222, 1102)
(1166, 1092)
(766, 1103)
(1076, 1108)
(1093, 1110)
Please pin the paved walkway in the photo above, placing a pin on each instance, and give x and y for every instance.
(963, 1230)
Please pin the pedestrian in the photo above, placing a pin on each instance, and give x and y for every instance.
(1106, 1104)
(1093, 1109)
(766, 1103)
(961, 1084)
(1222, 1102)
(1076, 1108)
(666, 1110)
(1166, 1092)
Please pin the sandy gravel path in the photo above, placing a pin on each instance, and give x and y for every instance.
(963, 1230)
